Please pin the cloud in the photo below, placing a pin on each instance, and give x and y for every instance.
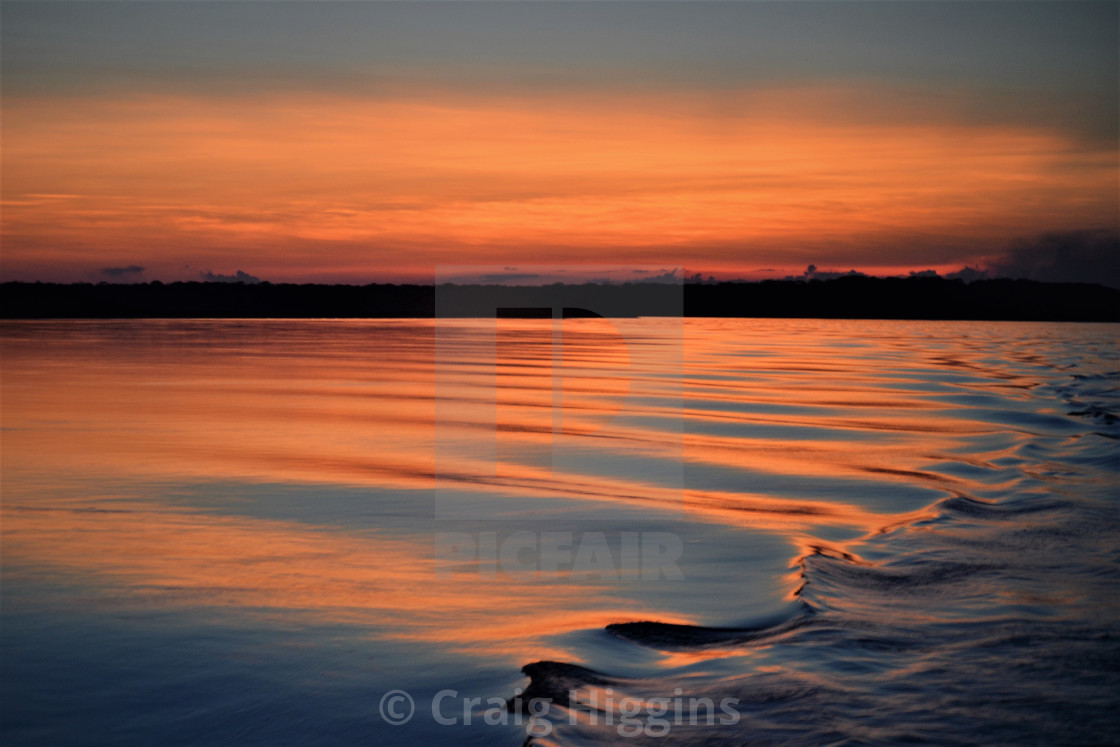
(812, 273)
(508, 277)
(1087, 256)
(967, 274)
(122, 272)
(674, 275)
(240, 277)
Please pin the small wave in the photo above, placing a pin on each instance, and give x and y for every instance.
(669, 636)
(1098, 414)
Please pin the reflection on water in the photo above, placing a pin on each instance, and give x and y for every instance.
(858, 531)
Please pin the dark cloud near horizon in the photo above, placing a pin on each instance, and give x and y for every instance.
(120, 272)
(508, 277)
(1086, 256)
(239, 277)
(967, 274)
(812, 273)
(674, 275)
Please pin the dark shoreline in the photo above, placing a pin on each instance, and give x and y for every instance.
(841, 298)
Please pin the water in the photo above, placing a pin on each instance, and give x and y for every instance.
(729, 531)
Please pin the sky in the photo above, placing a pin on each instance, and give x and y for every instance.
(386, 141)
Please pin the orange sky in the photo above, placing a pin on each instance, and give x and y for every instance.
(392, 187)
(346, 177)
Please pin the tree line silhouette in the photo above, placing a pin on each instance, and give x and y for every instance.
(851, 297)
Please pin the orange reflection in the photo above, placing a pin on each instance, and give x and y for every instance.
(354, 404)
(351, 403)
(554, 379)
(175, 558)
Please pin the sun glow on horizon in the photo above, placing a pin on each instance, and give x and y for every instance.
(394, 186)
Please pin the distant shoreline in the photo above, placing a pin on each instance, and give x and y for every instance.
(853, 297)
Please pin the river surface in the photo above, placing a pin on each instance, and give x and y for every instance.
(583, 532)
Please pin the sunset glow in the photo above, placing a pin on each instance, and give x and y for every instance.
(376, 167)
(559, 373)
